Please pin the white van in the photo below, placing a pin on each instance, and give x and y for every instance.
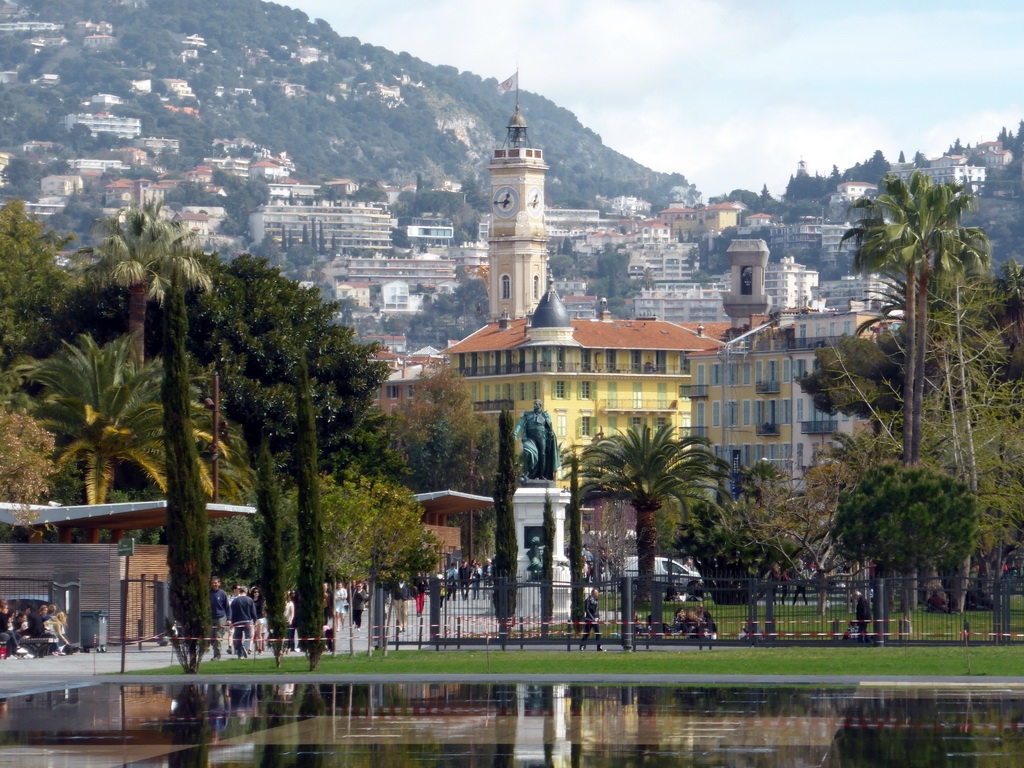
(663, 566)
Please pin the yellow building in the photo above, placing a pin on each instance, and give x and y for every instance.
(595, 377)
(694, 222)
(747, 400)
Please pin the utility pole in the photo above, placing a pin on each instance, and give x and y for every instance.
(472, 469)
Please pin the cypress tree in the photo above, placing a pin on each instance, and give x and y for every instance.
(310, 522)
(506, 548)
(575, 521)
(305, 235)
(188, 541)
(272, 577)
(323, 246)
(548, 571)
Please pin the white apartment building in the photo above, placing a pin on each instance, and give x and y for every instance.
(342, 226)
(838, 294)
(571, 222)
(683, 303)
(104, 122)
(60, 186)
(396, 298)
(95, 164)
(946, 169)
(157, 145)
(426, 269)
(673, 262)
(789, 285)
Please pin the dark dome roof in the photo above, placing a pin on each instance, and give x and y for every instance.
(550, 312)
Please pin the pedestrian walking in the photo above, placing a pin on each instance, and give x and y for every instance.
(592, 612)
(219, 612)
(243, 617)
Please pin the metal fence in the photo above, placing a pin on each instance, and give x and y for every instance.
(714, 611)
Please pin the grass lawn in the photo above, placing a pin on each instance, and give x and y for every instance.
(939, 661)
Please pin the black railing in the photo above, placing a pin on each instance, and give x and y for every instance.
(488, 406)
(693, 391)
(516, 367)
(767, 387)
(819, 427)
(720, 609)
(699, 431)
(767, 429)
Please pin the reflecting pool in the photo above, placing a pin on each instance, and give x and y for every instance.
(510, 725)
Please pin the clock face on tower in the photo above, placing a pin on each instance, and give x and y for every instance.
(505, 202)
(535, 202)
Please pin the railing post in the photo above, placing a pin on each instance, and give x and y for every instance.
(435, 612)
(769, 612)
(881, 611)
(501, 585)
(626, 599)
(752, 628)
(657, 608)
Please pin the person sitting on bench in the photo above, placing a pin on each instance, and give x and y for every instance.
(35, 629)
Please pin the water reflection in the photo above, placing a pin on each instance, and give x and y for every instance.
(314, 726)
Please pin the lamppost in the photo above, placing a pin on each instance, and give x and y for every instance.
(214, 405)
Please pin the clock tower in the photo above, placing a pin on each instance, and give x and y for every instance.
(518, 270)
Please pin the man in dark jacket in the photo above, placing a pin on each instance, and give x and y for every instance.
(243, 616)
(863, 616)
(592, 610)
(219, 612)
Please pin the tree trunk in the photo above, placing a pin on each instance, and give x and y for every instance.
(921, 343)
(646, 549)
(909, 339)
(137, 320)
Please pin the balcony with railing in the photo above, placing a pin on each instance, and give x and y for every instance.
(494, 406)
(767, 387)
(818, 427)
(767, 429)
(693, 391)
(631, 405)
(520, 368)
(698, 431)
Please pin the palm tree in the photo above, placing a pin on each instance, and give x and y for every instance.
(913, 228)
(106, 407)
(649, 470)
(139, 250)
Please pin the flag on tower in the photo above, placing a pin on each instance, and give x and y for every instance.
(512, 84)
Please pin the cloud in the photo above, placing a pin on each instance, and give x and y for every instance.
(727, 92)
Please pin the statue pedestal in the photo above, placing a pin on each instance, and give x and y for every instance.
(528, 505)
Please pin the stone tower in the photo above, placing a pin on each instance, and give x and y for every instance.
(746, 297)
(518, 258)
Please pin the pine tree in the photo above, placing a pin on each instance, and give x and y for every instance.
(272, 576)
(903, 157)
(188, 542)
(575, 521)
(506, 548)
(310, 522)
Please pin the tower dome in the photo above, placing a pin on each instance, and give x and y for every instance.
(550, 311)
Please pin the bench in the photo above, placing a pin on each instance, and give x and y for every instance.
(39, 646)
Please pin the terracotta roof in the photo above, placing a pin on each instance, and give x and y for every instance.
(594, 334)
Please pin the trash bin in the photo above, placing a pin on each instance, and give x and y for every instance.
(94, 630)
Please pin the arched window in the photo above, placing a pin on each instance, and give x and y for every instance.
(536, 287)
(506, 287)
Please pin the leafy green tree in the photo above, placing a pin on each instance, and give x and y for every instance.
(446, 443)
(651, 469)
(399, 547)
(272, 570)
(31, 283)
(311, 536)
(140, 250)
(25, 460)
(188, 546)
(912, 230)
(904, 518)
(252, 328)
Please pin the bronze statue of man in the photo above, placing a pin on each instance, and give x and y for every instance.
(540, 449)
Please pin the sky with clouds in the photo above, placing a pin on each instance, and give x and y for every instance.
(732, 93)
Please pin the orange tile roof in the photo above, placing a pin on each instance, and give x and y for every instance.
(594, 334)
